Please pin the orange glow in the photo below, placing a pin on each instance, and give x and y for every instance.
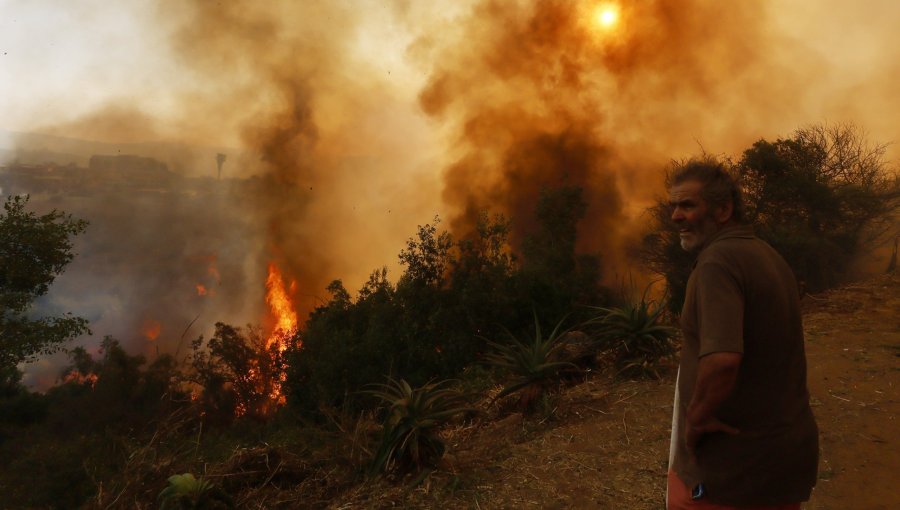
(213, 271)
(281, 307)
(77, 377)
(201, 289)
(151, 329)
(281, 310)
(607, 15)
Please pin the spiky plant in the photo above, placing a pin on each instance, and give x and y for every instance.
(410, 439)
(185, 492)
(635, 335)
(533, 364)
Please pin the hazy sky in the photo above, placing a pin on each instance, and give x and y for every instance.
(400, 88)
(62, 59)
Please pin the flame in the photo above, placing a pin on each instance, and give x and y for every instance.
(151, 329)
(201, 289)
(214, 271)
(281, 307)
(77, 377)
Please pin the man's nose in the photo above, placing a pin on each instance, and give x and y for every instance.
(677, 214)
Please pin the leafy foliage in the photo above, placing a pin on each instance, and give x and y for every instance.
(240, 374)
(817, 197)
(554, 275)
(77, 431)
(414, 415)
(34, 250)
(636, 336)
(185, 492)
(533, 364)
(452, 295)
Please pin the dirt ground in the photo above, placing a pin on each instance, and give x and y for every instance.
(604, 444)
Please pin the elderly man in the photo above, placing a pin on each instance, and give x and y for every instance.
(743, 434)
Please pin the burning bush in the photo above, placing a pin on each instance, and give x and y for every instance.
(240, 373)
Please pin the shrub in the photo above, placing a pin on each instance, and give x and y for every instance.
(636, 337)
(534, 364)
(409, 438)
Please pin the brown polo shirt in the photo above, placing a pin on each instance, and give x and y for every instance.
(742, 297)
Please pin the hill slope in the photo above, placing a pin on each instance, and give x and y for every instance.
(604, 444)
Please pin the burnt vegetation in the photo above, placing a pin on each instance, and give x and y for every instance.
(371, 380)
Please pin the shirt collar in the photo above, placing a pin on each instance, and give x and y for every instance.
(731, 232)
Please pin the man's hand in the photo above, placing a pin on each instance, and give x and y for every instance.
(716, 376)
(694, 432)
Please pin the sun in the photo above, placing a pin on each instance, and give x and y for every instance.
(606, 15)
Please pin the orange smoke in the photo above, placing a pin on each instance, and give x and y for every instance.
(151, 329)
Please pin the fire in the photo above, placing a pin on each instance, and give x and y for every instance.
(285, 318)
(77, 377)
(151, 329)
(281, 307)
(201, 289)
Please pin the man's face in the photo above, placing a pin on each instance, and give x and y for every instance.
(691, 215)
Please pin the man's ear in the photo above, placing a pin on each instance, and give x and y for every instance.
(723, 212)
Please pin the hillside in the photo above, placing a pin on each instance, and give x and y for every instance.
(599, 443)
(604, 444)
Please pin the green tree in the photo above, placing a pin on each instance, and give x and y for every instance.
(818, 197)
(554, 275)
(34, 250)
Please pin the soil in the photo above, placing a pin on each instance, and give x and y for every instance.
(604, 443)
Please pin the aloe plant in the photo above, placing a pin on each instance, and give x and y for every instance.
(636, 336)
(410, 433)
(187, 492)
(533, 363)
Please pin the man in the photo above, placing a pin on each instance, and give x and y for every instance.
(743, 434)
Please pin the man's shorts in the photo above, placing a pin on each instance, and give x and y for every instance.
(679, 498)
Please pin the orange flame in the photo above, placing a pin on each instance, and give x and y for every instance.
(151, 329)
(201, 289)
(282, 309)
(285, 317)
(77, 377)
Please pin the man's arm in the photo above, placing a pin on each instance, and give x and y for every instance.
(716, 376)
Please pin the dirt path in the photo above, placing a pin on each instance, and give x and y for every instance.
(605, 445)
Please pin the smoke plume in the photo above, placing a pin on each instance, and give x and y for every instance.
(347, 123)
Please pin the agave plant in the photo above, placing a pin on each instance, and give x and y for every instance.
(636, 336)
(409, 439)
(533, 364)
(187, 492)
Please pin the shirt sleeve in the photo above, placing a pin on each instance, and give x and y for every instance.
(720, 305)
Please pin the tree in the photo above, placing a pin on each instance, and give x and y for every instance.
(34, 250)
(554, 274)
(240, 373)
(818, 197)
